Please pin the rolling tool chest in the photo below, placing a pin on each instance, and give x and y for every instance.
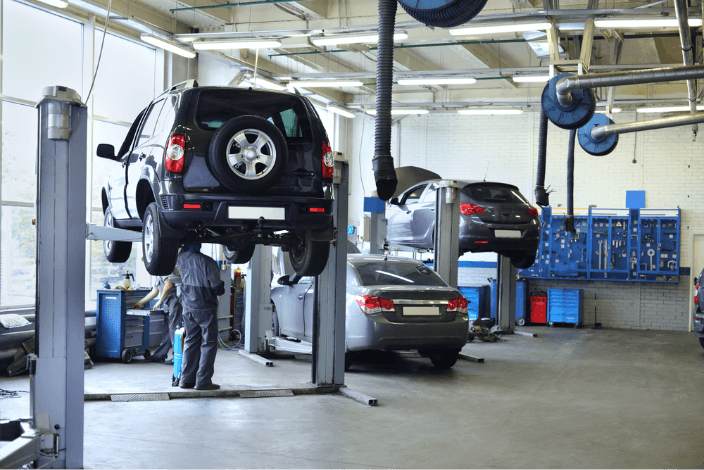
(565, 306)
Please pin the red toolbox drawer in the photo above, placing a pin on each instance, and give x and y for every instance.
(539, 309)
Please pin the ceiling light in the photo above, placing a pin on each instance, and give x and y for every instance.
(605, 110)
(56, 3)
(236, 44)
(530, 78)
(490, 111)
(266, 83)
(644, 23)
(401, 111)
(324, 83)
(667, 109)
(350, 39)
(171, 46)
(503, 28)
(437, 81)
(341, 111)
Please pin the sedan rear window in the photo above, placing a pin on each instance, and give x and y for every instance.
(394, 273)
(288, 114)
(491, 193)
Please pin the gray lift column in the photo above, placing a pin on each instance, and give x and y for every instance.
(447, 230)
(506, 294)
(329, 340)
(56, 376)
(258, 300)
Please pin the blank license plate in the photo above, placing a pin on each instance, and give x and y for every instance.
(420, 311)
(269, 213)
(507, 233)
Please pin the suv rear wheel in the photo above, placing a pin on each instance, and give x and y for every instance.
(309, 257)
(159, 253)
(247, 154)
(241, 256)
(115, 252)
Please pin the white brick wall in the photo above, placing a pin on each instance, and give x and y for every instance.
(669, 167)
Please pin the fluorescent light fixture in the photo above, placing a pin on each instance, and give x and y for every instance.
(236, 44)
(530, 78)
(667, 109)
(341, 111)
(55, 3)
(502, 28)
(353, 39)
(604, 111)
(401, 111)
(270, 84)
(324, 83)
(490, 111)
(171, 46)
(437, 81)
(644, 23)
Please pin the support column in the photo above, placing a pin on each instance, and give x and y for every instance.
(506, 294)
(56, 379)
(447, 227)
(258, 300)
(329, 342)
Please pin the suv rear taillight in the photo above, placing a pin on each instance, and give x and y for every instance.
(370, 304)
(470, 209)
(328, 161)
(458, 305)
(175, 150)
(533, 212)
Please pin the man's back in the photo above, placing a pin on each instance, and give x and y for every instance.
(200, 281)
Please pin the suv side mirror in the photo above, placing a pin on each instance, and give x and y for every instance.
(106, 151)
(394, 201)
(283, 281)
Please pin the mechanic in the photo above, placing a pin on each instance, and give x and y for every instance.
(200, 287)
(170, 287)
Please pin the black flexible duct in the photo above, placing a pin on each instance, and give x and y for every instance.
(383, 162)
(569, 220)
(542, 198)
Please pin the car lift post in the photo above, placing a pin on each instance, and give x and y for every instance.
(258, 312)
(329, 336)
(447, 237)
(505, 294)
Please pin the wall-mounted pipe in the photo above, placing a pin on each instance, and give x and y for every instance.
(670, 74)
(675, 121)
(687, 56)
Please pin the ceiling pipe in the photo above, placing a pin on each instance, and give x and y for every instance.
(687, 56)
(236, 4)
(596, 80)
(614, 129)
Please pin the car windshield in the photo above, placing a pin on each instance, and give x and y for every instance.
(494, 193)
(395, 273)
(287, 113)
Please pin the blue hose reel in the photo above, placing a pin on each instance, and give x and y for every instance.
(574, 116)
(443, 13)
(597, 147)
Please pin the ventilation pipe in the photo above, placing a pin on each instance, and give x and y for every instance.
(569, 220)
(383, 162)
(675, 121)
(687, 56)
(542, 197)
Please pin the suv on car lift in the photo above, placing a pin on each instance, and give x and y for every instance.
(233, 166)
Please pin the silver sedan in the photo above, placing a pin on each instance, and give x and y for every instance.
(392, 304)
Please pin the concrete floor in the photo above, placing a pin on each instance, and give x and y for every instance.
(569, 398)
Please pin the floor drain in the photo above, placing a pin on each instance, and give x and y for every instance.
(265, 393)
(140, 397)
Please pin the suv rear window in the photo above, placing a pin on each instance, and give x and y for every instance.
(394, 273)
(288, 114)
(494, 193)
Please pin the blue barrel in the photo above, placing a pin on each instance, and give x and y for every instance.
(178, 353)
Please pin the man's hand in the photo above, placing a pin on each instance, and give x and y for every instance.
(137, 306)
(157, 305)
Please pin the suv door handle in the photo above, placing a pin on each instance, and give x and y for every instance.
(142, 157)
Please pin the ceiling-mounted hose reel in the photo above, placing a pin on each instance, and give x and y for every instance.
(597, 145)
(443, 13)
(572, 115)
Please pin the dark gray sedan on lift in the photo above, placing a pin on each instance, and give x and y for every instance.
(392, 304)
(493, 217)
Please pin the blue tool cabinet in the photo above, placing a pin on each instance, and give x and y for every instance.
(475, 296)
(521, 301)
(565, 306)
(123, 333)
(640, 245)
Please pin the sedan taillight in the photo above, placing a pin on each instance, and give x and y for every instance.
(458, 305)
(533, 212)
(175, 151)
(370, 304)
(470, 209)
(328, 161)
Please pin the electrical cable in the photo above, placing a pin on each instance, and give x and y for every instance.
(234, 347)
(361, 142)
(100, 55)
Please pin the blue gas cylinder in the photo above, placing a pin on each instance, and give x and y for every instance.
(178, 353)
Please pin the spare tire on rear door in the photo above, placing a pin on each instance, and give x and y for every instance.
(247, 154)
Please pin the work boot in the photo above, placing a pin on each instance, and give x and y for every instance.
(187, 385)
(208, 387)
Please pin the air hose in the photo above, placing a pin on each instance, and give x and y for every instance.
(542, 198)
(569, 219)
(383, 162)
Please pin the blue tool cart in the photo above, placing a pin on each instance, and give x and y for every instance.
(565, 306)
(123, 332)
(475, 296)
(611, 244)
(521, 302)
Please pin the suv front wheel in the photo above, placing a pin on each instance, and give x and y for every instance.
(159, 253)
(309, 257)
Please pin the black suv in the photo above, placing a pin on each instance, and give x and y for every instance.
(233, 166)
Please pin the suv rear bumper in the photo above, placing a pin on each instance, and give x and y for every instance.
(215, 211)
